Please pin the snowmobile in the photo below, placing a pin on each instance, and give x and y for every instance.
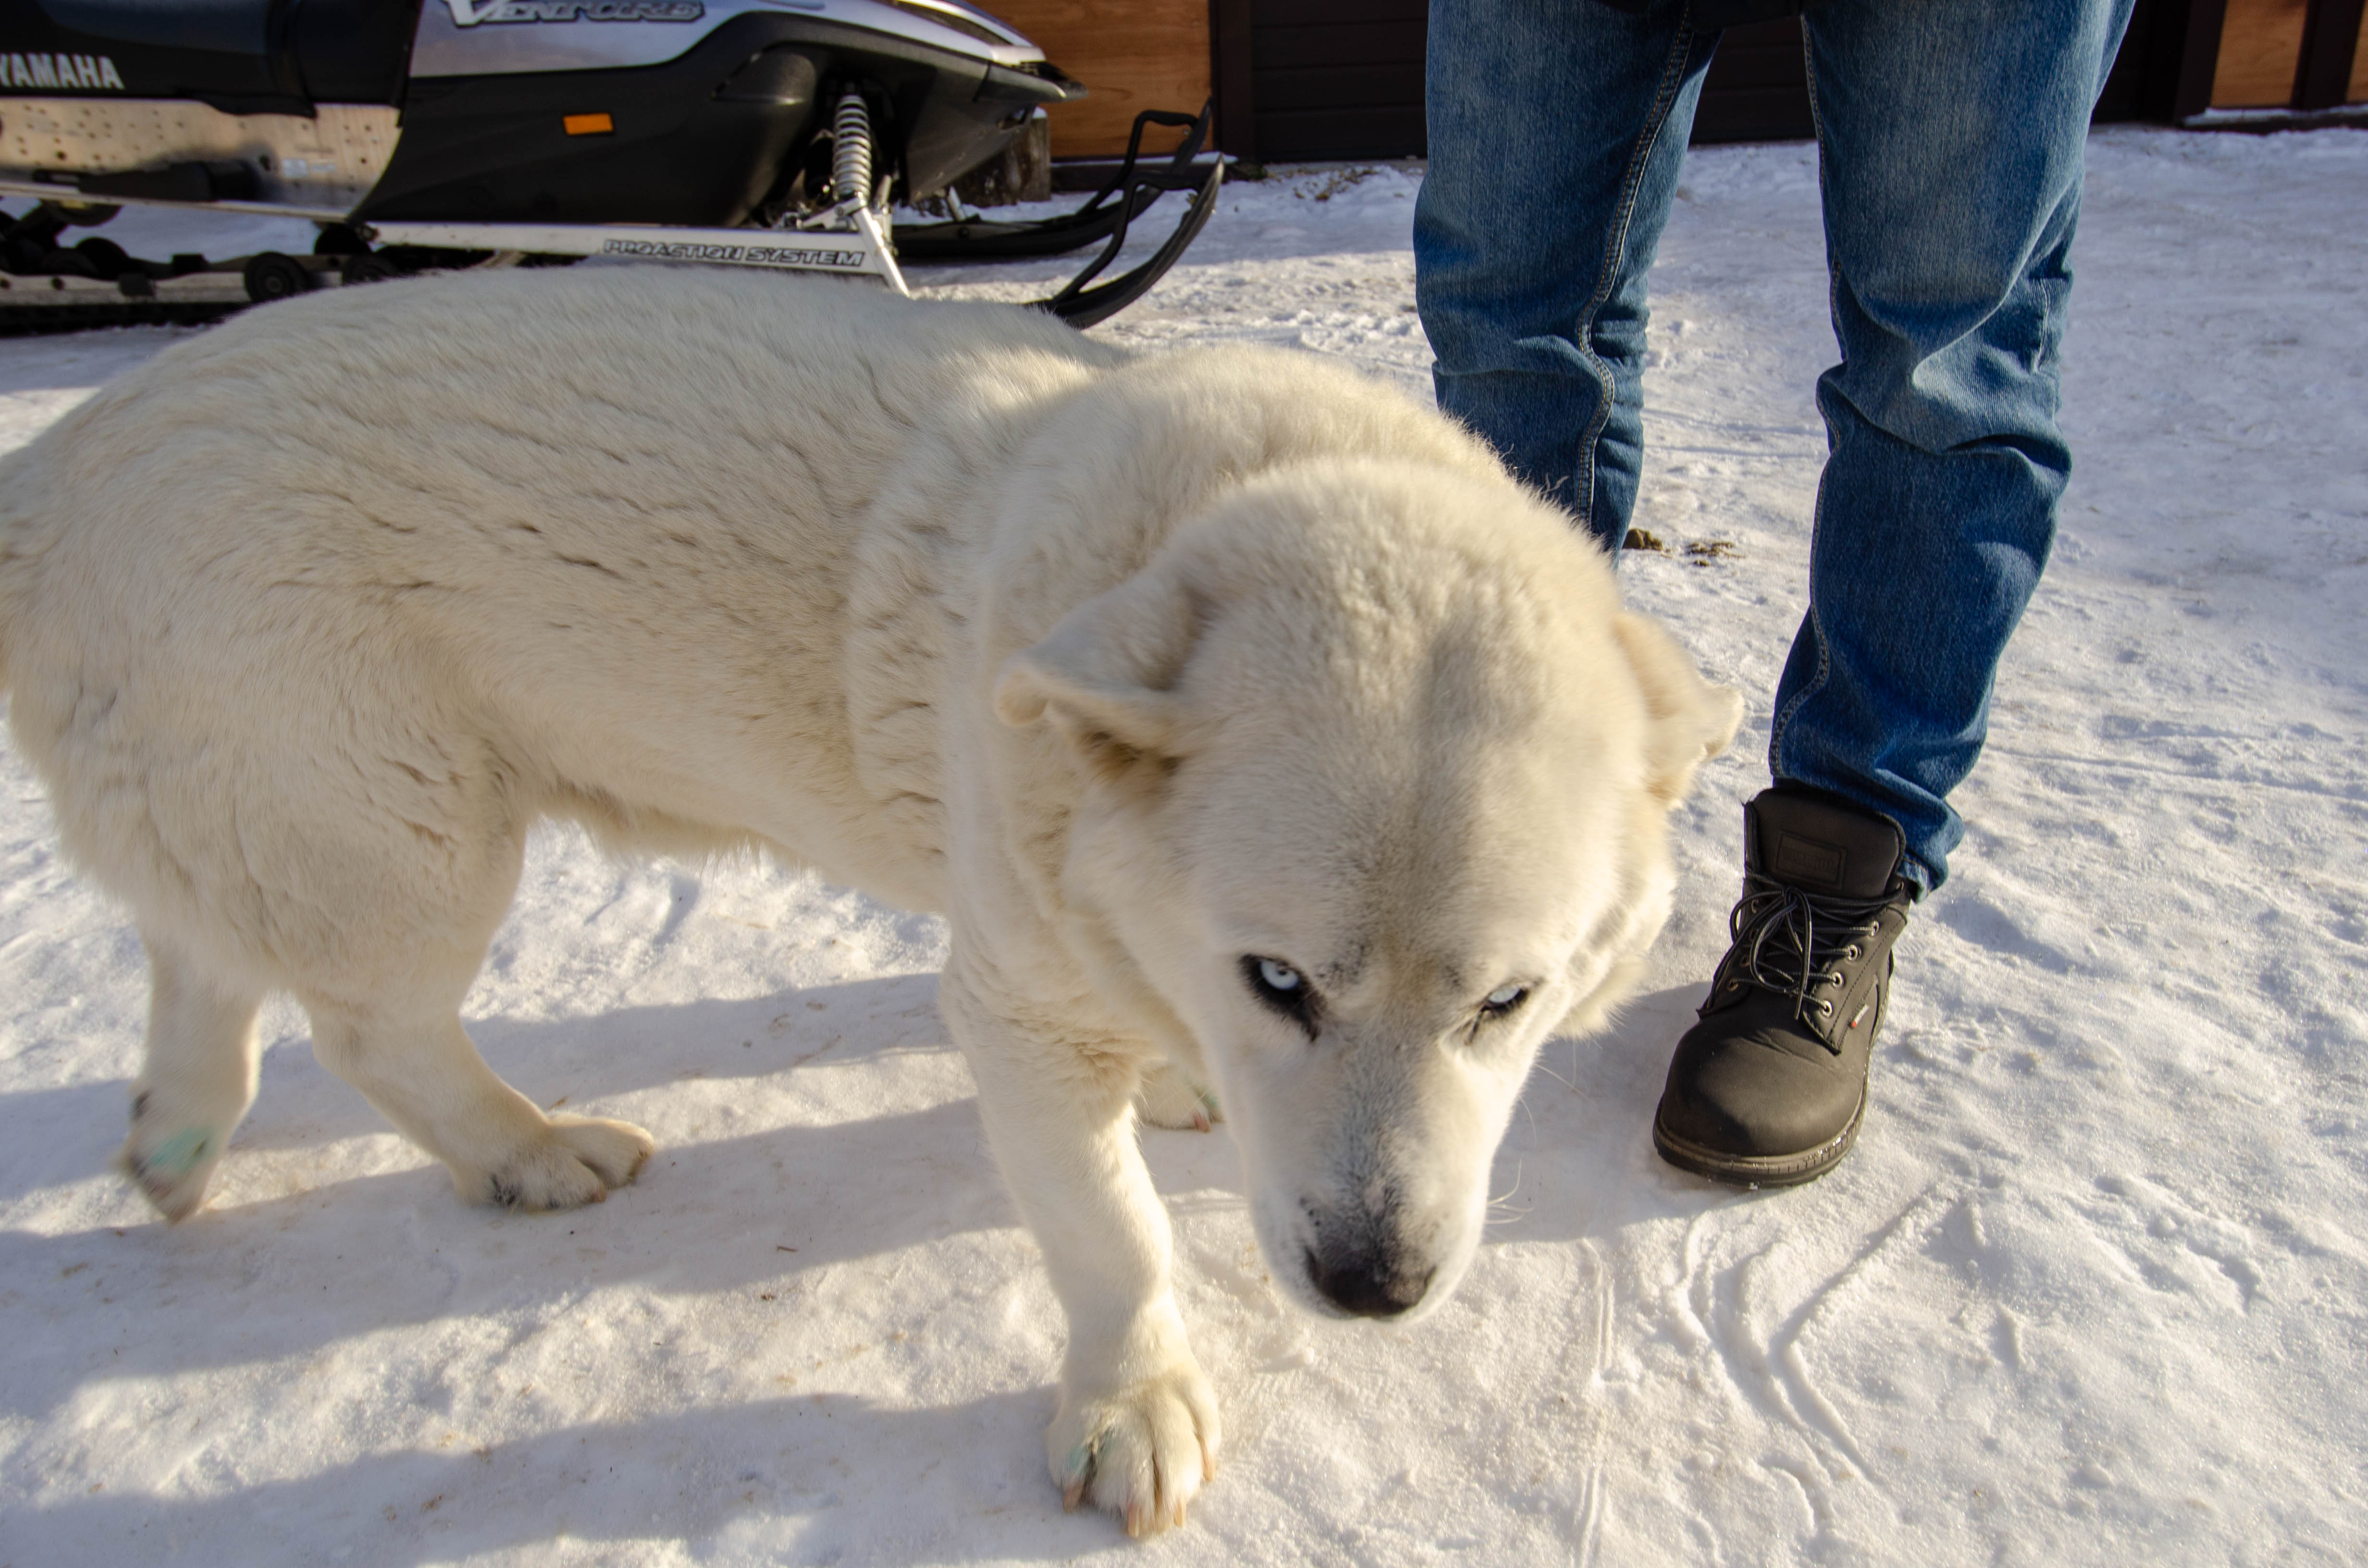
(421, 134)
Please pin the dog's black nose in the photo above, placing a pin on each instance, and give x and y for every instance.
(1371, 1286)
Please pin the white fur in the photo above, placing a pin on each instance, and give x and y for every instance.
(1133, 667)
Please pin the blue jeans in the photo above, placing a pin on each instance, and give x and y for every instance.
(1950, 138)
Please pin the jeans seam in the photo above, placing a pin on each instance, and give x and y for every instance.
(1656, 119)
(1781, 723)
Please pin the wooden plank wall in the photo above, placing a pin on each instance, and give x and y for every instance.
(2260, 42)
(1134, 54)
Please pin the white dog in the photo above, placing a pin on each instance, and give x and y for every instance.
(1249, 726)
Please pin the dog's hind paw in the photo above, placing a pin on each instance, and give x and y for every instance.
(1166, 1097)
(577, 1160)
(1142, 1452)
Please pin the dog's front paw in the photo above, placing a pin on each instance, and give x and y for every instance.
(1166, 1097)
(1142, 1452)
(576, 1161)
(171, 1153)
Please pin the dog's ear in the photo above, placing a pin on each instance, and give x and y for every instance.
(1691, 720)
(1105, 676)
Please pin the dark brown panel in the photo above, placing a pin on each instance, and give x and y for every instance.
(2145, 83)
(1347, 86)
(1340, 12)
(1229, 77)
(1756, 114)
(1340, 134)
(1776, 64)
(1757, 88)
(1337, 78)
(2200, 57)
(1365, 45)
(2327, 44)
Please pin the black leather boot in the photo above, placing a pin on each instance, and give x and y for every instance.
(1769, 1088)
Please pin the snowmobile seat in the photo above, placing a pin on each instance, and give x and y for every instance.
(240, 56)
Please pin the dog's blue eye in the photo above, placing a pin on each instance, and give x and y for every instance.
(1284, 989)
(1504, 999)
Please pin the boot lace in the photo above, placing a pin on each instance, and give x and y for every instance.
(1795, 943)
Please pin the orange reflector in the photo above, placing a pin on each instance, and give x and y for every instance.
(588, 124)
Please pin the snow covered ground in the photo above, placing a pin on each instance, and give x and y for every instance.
(2093, 1289)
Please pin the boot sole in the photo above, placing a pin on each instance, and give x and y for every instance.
(1759, 1170)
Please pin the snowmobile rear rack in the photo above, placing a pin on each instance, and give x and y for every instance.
(1081, 306)
(982, 239)
(976, 239)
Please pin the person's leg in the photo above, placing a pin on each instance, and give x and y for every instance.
(1951, 135)
(1557, 130)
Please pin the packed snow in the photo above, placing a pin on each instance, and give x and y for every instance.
(2092, 1289)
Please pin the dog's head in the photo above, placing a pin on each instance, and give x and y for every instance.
(1375, 775)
